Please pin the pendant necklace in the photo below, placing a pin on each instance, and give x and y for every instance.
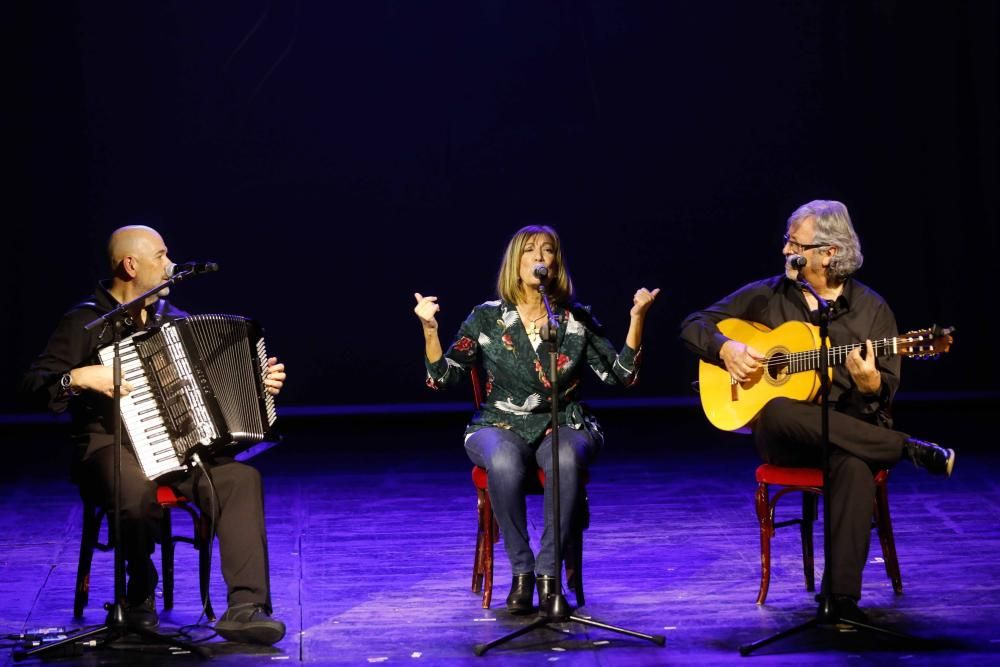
(531, 327)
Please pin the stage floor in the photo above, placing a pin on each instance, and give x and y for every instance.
(372, 528)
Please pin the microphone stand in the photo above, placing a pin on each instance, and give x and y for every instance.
(555, 609)
(117, 624)
(828, 615)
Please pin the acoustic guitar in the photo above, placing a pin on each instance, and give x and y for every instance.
(790, 367)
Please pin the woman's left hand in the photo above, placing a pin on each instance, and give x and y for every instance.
(642, 300)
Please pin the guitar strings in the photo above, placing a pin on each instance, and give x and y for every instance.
(835, 354)
(809, 359)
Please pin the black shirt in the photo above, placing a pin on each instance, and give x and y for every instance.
(858, 314)
(71, 346)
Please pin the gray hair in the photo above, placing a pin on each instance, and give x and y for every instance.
(833, 228)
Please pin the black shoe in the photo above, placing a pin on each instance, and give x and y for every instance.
(847, 610)
(522, 590)
(250, 624)
(143, 614)
(546, 587)
(933, 458)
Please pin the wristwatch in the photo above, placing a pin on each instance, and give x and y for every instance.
(66, 382)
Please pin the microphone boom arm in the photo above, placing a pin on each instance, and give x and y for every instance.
(122, 309)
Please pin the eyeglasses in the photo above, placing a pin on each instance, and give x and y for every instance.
(802, 247)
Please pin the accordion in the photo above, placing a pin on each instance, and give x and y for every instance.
(198, 385)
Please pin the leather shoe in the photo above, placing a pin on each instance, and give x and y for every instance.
(546, 587)
(250, 624)
(847, 610)
(933, 458)
(143, 614)
(522, 589)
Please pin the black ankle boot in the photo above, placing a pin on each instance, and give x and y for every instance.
(522, 589)
(546, 587)
(933, 458)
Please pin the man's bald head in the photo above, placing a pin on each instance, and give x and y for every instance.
(139, 263)
(133, 240)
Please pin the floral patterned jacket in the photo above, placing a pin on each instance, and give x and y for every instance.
(518, 389)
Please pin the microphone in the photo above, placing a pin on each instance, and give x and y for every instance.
(796, 261)
(541, 271)
(191, 267)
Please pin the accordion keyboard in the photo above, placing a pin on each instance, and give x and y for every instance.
(141, 415)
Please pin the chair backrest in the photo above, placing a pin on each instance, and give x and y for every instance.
(475, 377)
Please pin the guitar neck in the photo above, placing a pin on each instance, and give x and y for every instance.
(809, 360)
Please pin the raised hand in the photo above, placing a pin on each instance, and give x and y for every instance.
(642, 300)
(426, 309)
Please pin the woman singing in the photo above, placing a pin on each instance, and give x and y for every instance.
(511, 435)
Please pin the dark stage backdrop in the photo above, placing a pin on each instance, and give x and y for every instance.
(335, 157)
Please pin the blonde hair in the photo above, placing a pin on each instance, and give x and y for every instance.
(509, 287)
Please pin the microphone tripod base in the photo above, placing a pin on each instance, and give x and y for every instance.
(828, 618)
(557, 610)
(116, 626)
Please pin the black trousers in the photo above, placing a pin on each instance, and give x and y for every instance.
(239, 520)
(788, 433)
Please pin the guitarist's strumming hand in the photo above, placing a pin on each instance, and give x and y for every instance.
(863, 371)
(741, 360)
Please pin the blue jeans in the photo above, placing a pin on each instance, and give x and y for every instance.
(511, 464)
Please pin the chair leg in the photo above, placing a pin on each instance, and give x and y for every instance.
(477, 560)
(572, 555)
(569, 561)
(765, 520)
(806, 530)
(167, 558)
(88, 541)
(583, 524)
(491, 538)
(883, 523)
(203, 543)
(574, 566)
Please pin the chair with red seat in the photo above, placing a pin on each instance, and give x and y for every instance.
(809, 481)
(168, 499)
(488, 532)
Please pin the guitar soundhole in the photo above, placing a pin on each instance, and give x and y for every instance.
(776, 368)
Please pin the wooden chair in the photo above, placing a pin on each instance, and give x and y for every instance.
(809, 481)
(488, 532)
(94, 515)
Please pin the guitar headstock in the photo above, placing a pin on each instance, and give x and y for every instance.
(927, 343)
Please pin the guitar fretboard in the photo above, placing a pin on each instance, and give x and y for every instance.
(809, 360)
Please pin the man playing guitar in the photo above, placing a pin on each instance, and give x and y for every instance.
(822, 248)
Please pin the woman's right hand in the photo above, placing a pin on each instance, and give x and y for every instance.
(425, 309)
